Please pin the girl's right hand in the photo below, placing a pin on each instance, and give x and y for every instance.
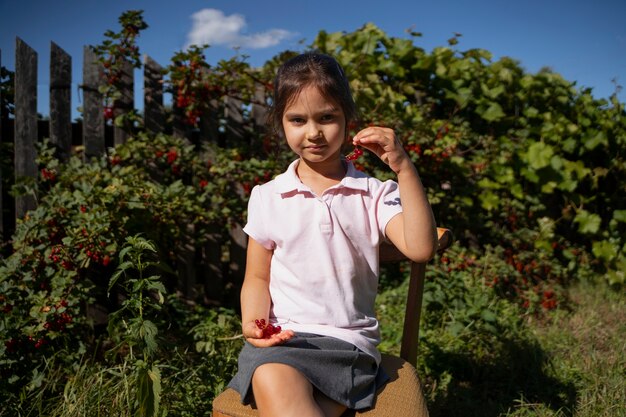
(254, 336)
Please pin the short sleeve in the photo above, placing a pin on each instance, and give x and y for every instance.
(388, 204)
(256, 226)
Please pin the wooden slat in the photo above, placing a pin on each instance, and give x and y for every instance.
(186, 261)
(210, 268)
(60, 101)
(237, 254)
(238, 239)
(2, 231)
(93, 116)
(25, 120)
(209, 123)
(234, 120)
(410, 332)
(259, 110)
(154, 111)
(125, 103)
(210, 119)
(179, 127)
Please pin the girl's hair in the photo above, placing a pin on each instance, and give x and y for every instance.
(310, 69)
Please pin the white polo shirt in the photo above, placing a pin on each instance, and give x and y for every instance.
(324, 269)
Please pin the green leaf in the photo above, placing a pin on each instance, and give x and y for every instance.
(539, 155)
(488, 315)
(148, 392)
(489, 200)
(492, 113)
(455, 328)
(548, 187)
(592, 141)
(494, 92)
(588, 223)
(605, 250)
(620, 215)
(148, 331)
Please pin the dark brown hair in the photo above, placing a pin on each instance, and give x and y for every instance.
(310, 68)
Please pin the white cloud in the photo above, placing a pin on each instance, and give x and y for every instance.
(211, 26)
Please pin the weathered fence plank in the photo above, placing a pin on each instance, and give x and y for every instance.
(237, 254)
(153, 109)
(126, 103)
(25, 120)
(259, 111)
(93, 111)
(60, 101)
(2, 229)
(234, 119)
(210, 271)
(235, 132)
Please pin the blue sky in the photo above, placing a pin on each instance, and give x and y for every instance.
(585, 41)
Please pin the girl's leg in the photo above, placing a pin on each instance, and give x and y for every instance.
(281, 390)
(330, 407)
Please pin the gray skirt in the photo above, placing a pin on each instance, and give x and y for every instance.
(336, 368)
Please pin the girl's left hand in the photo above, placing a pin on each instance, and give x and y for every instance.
(384, 143)
(254, 335)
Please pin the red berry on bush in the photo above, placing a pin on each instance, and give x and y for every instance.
(108, 113)
(172, 155)
(48, 174)
(11, 345)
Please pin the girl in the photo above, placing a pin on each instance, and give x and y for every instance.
(312, 262)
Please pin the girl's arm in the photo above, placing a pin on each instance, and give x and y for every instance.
(255, 296)
(413, 231)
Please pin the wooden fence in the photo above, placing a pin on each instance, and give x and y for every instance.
(199, 267)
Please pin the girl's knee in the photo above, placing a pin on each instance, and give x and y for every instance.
(280, 377)
(282, 388)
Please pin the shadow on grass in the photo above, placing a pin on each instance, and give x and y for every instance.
(489, 387)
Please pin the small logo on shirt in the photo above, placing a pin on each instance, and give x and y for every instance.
(395, 202)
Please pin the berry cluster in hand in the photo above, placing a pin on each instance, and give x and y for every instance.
(355, 154)
(268, 328)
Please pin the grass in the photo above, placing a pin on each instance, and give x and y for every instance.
(572, 365)
(587, 348)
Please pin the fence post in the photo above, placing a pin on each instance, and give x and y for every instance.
(25, 120)
(238, 239)
(60, 101)
(154, 111)
(2, 231)
(259, 109)
(126, 103)
(93, 116)
(234, 119)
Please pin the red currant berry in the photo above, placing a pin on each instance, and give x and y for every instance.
(108, 113)
(268, 328)
(355, 154)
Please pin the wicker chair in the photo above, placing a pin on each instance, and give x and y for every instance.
(402, 396)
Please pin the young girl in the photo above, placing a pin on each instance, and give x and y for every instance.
(312, 263)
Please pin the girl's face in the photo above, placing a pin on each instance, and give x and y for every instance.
(314, 126)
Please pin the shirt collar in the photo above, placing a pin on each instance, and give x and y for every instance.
(289, 181)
